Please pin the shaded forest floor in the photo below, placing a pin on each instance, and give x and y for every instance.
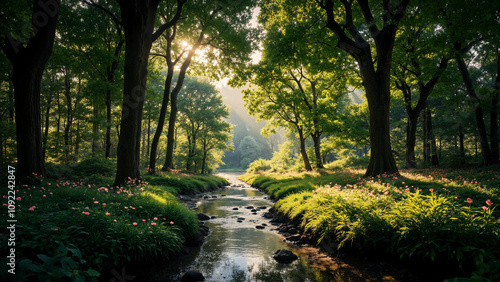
(438, 218)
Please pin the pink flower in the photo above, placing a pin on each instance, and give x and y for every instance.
(143, 220)
(488, 202)
(44, 196)
(114, 220)
(103, 204)
(171, 223)
(134, 224)
(32, 208)
(153, 223)
(108, 214)
(485, 208)
(96, 202)
(469, 200)
(56, 229)
(155, 218)
(18, 198)
(431, 190)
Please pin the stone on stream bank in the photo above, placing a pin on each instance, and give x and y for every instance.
(202, 216)
(284, 256)
(192, 276)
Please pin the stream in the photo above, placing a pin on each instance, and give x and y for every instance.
(236, 250)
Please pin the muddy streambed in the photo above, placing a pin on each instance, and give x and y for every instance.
(241, 244)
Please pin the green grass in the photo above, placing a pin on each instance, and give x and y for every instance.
(76, 229)
(431, 215)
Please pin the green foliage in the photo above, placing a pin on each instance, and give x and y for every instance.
(438, 216)
(78, 230)
(89, 168)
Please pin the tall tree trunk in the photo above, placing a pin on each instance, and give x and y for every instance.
(375, 76)
(149, 138)
(95, 129)
(316, 137)
(28, 65)
(494, 136)
(462, 146)
(425, 139)
(378, 96)
(111, 80)
(77, 141)
(46, 130)
(58, 127)
(411, 137)
(303, 152)
(169, 159)
(69, 118)
(432, 139)
(161, 120)
(138, 20)
(478, 112)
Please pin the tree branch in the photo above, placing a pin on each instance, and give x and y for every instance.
(170, 23)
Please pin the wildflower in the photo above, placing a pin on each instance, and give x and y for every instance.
(171, 223)
(143, 220)
(103, 204)
(469, 200)
(155, 218)
(134, 224)
(96, 202)
(153, 223)
(485, 208)
(431, 190)
(32, 208)
(108, 214)
(18, 199)
(114, 220)
(87, 208)
(488, 202)
(44, 196)
(56, 229)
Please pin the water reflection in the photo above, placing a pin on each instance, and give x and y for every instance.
(238, 251)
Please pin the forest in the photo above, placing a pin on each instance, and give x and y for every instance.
(112, 93)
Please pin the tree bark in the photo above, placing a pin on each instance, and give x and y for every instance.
(316, 136)
(169, 159)
(161, 120)
(46, 131)
(375, 81)
(138, 19)
(69, 118)
(303, 152)
(462, 146)
(494, 136)
(28, 65)
(478, 112)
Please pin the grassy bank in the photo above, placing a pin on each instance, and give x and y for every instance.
(433, 216)
(77, 229)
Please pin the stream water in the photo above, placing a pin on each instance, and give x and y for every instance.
(235, 250)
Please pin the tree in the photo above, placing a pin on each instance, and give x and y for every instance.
(29, 57)
(419, 68)
(138, 21)
(202, 112)
(218, 27)
(249, 150)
